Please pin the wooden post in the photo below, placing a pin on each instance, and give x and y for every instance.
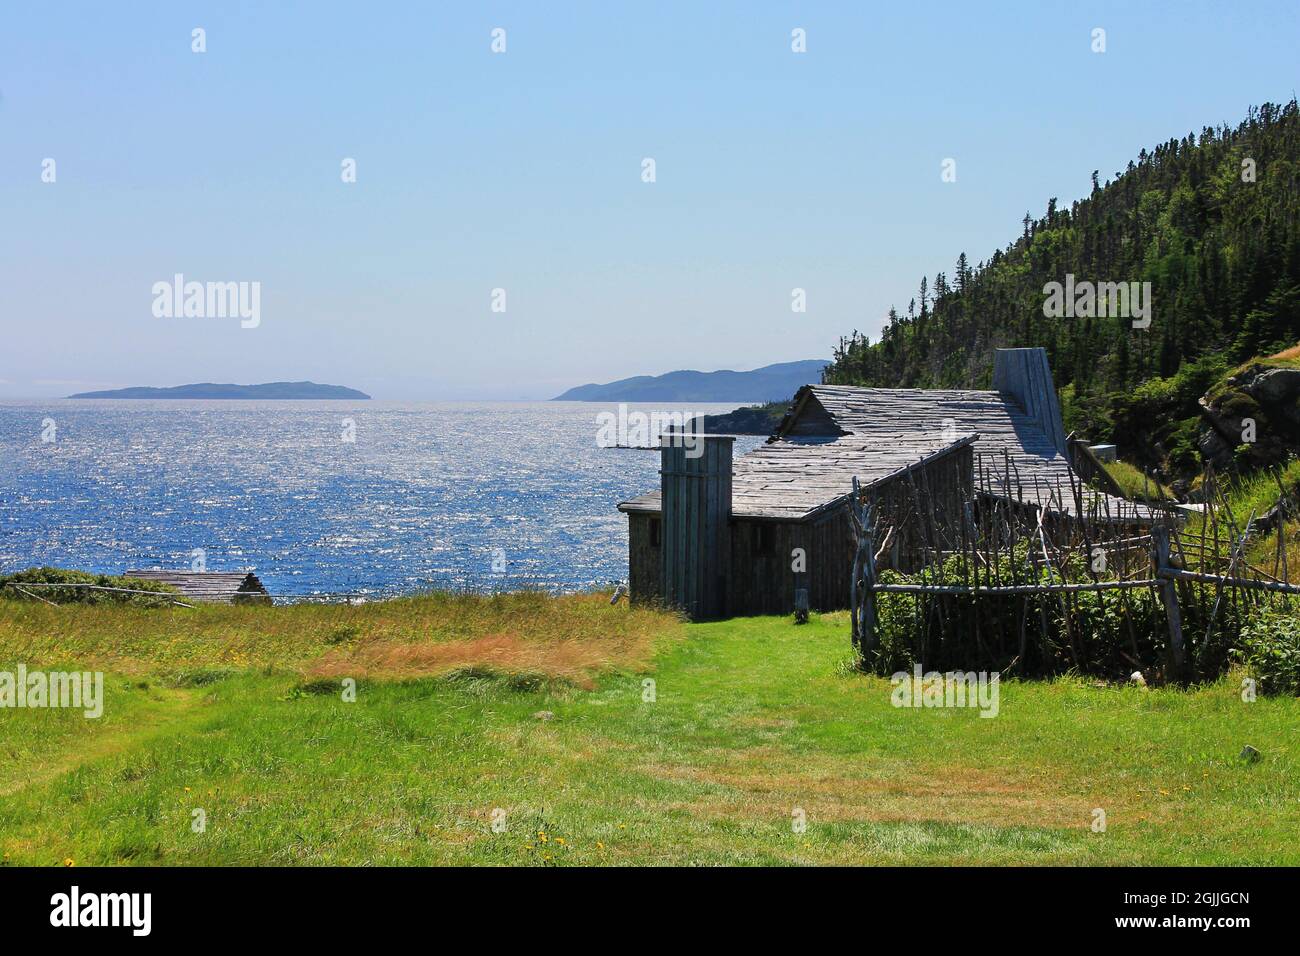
(867, 542)
(801, 605)
(862, 596)
(1169, 595)
(855, 519)
(869, 591)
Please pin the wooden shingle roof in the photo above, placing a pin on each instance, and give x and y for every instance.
(222, 587)
(796, 478)
(1008, 436)
(834, 433)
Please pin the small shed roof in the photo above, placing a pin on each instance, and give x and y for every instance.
(222, 587)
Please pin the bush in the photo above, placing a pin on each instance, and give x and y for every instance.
(1159, 422)
(1270, 650)
(81, 595)
(1108, 634)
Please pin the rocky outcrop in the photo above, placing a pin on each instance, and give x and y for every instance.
(1253, 419)
(749, 420)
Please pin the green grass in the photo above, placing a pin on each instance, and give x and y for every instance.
(751, 719)
(1256, 494)
(1259, 491)
(1136, 486)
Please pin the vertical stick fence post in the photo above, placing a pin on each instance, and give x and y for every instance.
(1169, 595)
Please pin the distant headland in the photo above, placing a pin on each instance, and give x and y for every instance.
(772, 383)
(271, 391)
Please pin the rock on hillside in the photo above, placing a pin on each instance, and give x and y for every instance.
(1267, 395)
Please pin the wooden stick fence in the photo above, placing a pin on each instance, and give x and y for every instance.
(1011, 547)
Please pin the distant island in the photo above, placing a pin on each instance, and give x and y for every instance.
(267, 392)
(771, 383)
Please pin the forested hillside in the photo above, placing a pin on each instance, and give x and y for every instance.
(1212, 221)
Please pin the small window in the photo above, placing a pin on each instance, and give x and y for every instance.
(764, 539)
(654, 532)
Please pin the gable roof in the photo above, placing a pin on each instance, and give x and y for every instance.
(795, 479)
(833, 433)
(1009, 438)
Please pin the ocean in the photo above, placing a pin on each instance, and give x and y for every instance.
(366, 497)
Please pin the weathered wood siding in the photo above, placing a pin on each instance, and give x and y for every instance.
(763, 580)
(811, 419)
(696, 503)
(1025, 375)
(644, 557)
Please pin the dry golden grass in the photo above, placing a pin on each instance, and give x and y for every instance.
(576, 661)
(1293, 353)
(571, 637)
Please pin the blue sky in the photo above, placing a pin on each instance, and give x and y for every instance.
(522, 171)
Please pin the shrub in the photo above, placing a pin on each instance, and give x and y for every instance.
(81, 595)
(1270, 650)
(1104, 633)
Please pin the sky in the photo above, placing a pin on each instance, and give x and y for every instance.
(524, 171)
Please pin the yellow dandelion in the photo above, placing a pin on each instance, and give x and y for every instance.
(560, 840)
(69, 861)
(599, 845)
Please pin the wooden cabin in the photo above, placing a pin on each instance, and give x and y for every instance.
(219, 587)
(722, 538)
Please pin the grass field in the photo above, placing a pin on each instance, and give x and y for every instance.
(238, 712)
